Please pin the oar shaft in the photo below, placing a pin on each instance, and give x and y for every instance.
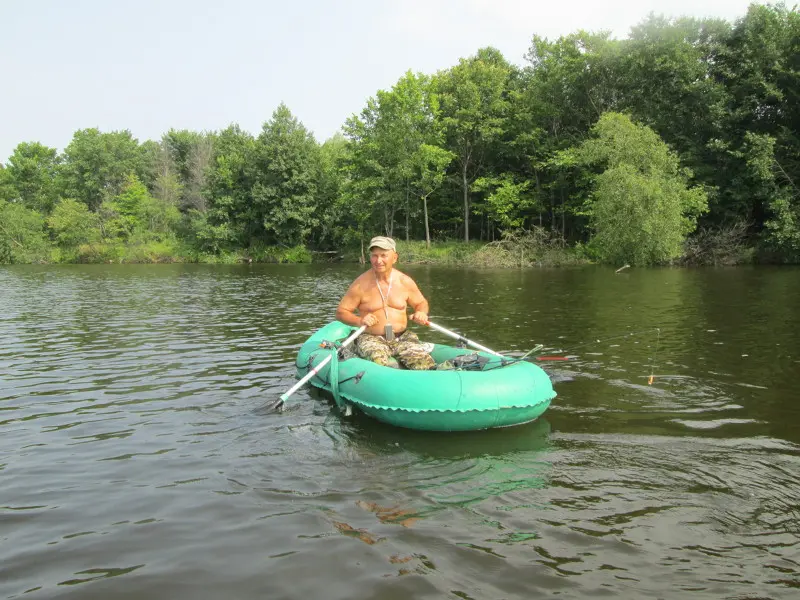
(456, 336)
(321, 364)
(305, 378)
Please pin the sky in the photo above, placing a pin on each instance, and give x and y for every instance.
(153, 65)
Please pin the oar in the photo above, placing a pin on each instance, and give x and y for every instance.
(462, 339)
(476, 345)
(318, 368)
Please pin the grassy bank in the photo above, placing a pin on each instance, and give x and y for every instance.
(511, 252)
(534, 248)
(173, 251)
(529, 249)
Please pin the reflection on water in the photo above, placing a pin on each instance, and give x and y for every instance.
(137, 460)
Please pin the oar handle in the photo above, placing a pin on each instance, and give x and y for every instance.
(321, 364)
(460, 338)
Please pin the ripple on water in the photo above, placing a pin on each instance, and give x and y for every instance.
(138, 458)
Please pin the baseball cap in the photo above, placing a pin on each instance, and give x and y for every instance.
(380, 241)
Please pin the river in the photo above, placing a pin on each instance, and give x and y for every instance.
(137, 459)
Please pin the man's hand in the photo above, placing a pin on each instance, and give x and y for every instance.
(369, 320)
(420, 317)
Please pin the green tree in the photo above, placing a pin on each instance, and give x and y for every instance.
(72, 224)
(782, 201)
(334, 214)
(570, 82)
(641, 208)
(473, 98)
(665, 79)
(199, 162)
(22, 237)
(506, 200)
(567, 84)
(7, 190)
(405, 121)
(286, 176)
(386, 139)
(431, 164)
(760, 67)
(136, 213)
(31, 171)
(365, 175)
(230, 216)
(167, 184)
(96, 165)
(191, 155)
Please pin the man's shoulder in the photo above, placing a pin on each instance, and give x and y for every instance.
(404, 278)
(361, 280)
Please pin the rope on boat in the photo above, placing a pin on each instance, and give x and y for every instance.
(333, 375)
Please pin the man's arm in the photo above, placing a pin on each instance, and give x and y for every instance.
(348, 305)
(417, 302)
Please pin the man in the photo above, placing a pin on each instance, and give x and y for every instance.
(378, 299)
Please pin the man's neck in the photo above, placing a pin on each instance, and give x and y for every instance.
(385, 276)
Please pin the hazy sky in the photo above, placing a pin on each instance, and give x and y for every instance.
(152, 65)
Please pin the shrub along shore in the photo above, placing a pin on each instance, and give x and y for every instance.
(529, 249)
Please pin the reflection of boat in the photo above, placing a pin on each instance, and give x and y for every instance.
(497, 392)
(384, 439)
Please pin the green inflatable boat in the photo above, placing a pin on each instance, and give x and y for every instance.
(483, 391)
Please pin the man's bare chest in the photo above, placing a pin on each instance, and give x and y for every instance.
(373, 299)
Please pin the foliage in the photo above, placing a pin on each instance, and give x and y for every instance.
(782, 199)
(279, 254)
(229, 216)
(285, 183)
(72, 224)
(31, 172)
(7, 190)
(391, 160)
(641, 208)
(167, 182)
(22, 237)
(505, 200)
(334, 216)
(430, 169)
(483, 150)
(474, 104)
(96, 165)
(443, 253)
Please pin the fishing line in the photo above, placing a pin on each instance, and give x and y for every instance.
(509, 360)
(653, 358)
(570, 349)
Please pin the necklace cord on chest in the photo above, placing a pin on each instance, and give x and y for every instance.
(385, 299)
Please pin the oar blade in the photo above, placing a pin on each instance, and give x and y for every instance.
(278, 404)
(275, 405)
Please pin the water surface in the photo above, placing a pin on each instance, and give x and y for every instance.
(137, 459)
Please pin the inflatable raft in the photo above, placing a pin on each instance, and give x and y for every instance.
(485, 391)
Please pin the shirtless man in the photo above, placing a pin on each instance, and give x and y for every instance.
(378, 299)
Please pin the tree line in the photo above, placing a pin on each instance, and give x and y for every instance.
(678, 139)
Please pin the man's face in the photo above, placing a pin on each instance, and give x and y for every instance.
(381, 259)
